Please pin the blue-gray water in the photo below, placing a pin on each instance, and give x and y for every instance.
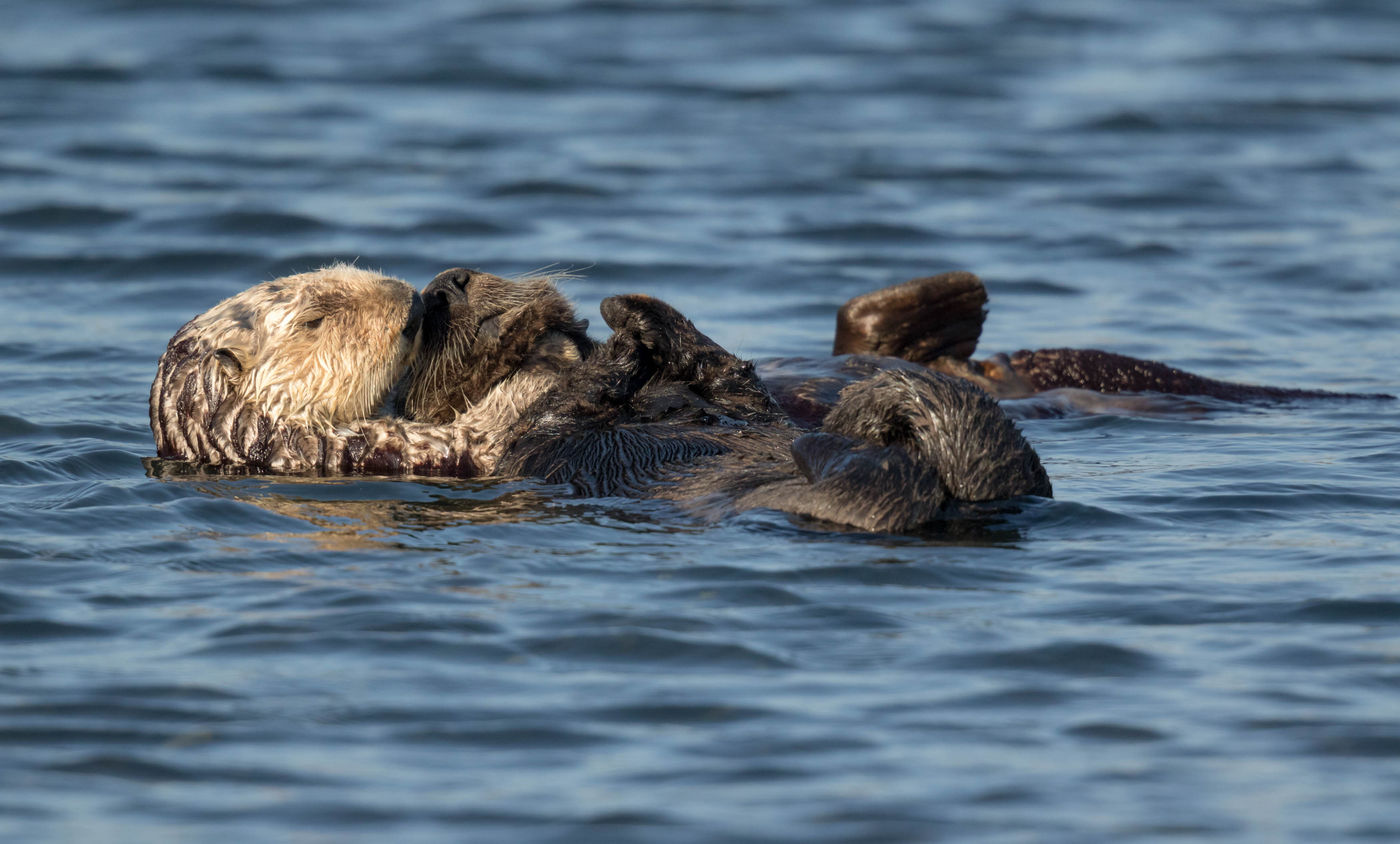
(1198, 639)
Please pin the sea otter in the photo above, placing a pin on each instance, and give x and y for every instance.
(660, 410)
(282, 377)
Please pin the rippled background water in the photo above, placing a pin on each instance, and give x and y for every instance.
(1199, 638)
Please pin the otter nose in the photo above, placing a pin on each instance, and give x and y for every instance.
(415, 316)
(451, 284)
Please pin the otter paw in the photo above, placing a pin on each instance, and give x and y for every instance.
(652, 324)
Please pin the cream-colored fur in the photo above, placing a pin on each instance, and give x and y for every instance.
(319, 348)
(282, 376)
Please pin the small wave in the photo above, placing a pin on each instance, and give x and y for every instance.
(109, 711)
(22, 630)
(1031, 287)
(1096, 245)
(113, 151)
(1120, 121)
(369, 621)
(867, 232)
(60, 215)
(138, 768)
(1192, 611)
(459, 227)
(1084, 659)
(259, 223)
(463, 69)
(70, 73)
(167, 691)
(641, 651)
(1114, 732)
(1200, 195)
(160, 264)
(828, 617)
(1016, 697)
(1347, 611)
(548, 188)
(12, 603)
(93, 462)
(870, 573)
(677, 713)
(744, 595)
(241, 72)
(503, 737)
(39, 735)
(406, 647)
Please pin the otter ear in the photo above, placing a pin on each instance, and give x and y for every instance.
(230, 360)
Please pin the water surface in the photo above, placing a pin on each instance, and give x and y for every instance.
(1199, 638)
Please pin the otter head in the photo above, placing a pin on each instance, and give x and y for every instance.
(306, 352)
(490, 346)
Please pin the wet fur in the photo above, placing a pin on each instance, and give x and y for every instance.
(658, 410)
(279, 379)
(936, 322)
(282, 377)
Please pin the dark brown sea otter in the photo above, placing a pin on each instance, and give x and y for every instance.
(659, 410)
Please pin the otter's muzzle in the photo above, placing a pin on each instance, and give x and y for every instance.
(450, 286)
(416, 310)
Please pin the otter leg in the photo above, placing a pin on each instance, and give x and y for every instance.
(920, 320)
(671, 348)
(947, 425)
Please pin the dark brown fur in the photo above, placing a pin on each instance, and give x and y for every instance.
(508, 383)
(936, 321)
(480, 329)
(659, 410)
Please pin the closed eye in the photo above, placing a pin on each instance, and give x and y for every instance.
(313, 324)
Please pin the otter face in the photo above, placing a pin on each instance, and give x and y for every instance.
(314, 351)
(490, 345)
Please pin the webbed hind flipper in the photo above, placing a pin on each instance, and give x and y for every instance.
(920, 320)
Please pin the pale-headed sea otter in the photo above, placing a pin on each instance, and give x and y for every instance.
(283, 378)
(508, 383)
